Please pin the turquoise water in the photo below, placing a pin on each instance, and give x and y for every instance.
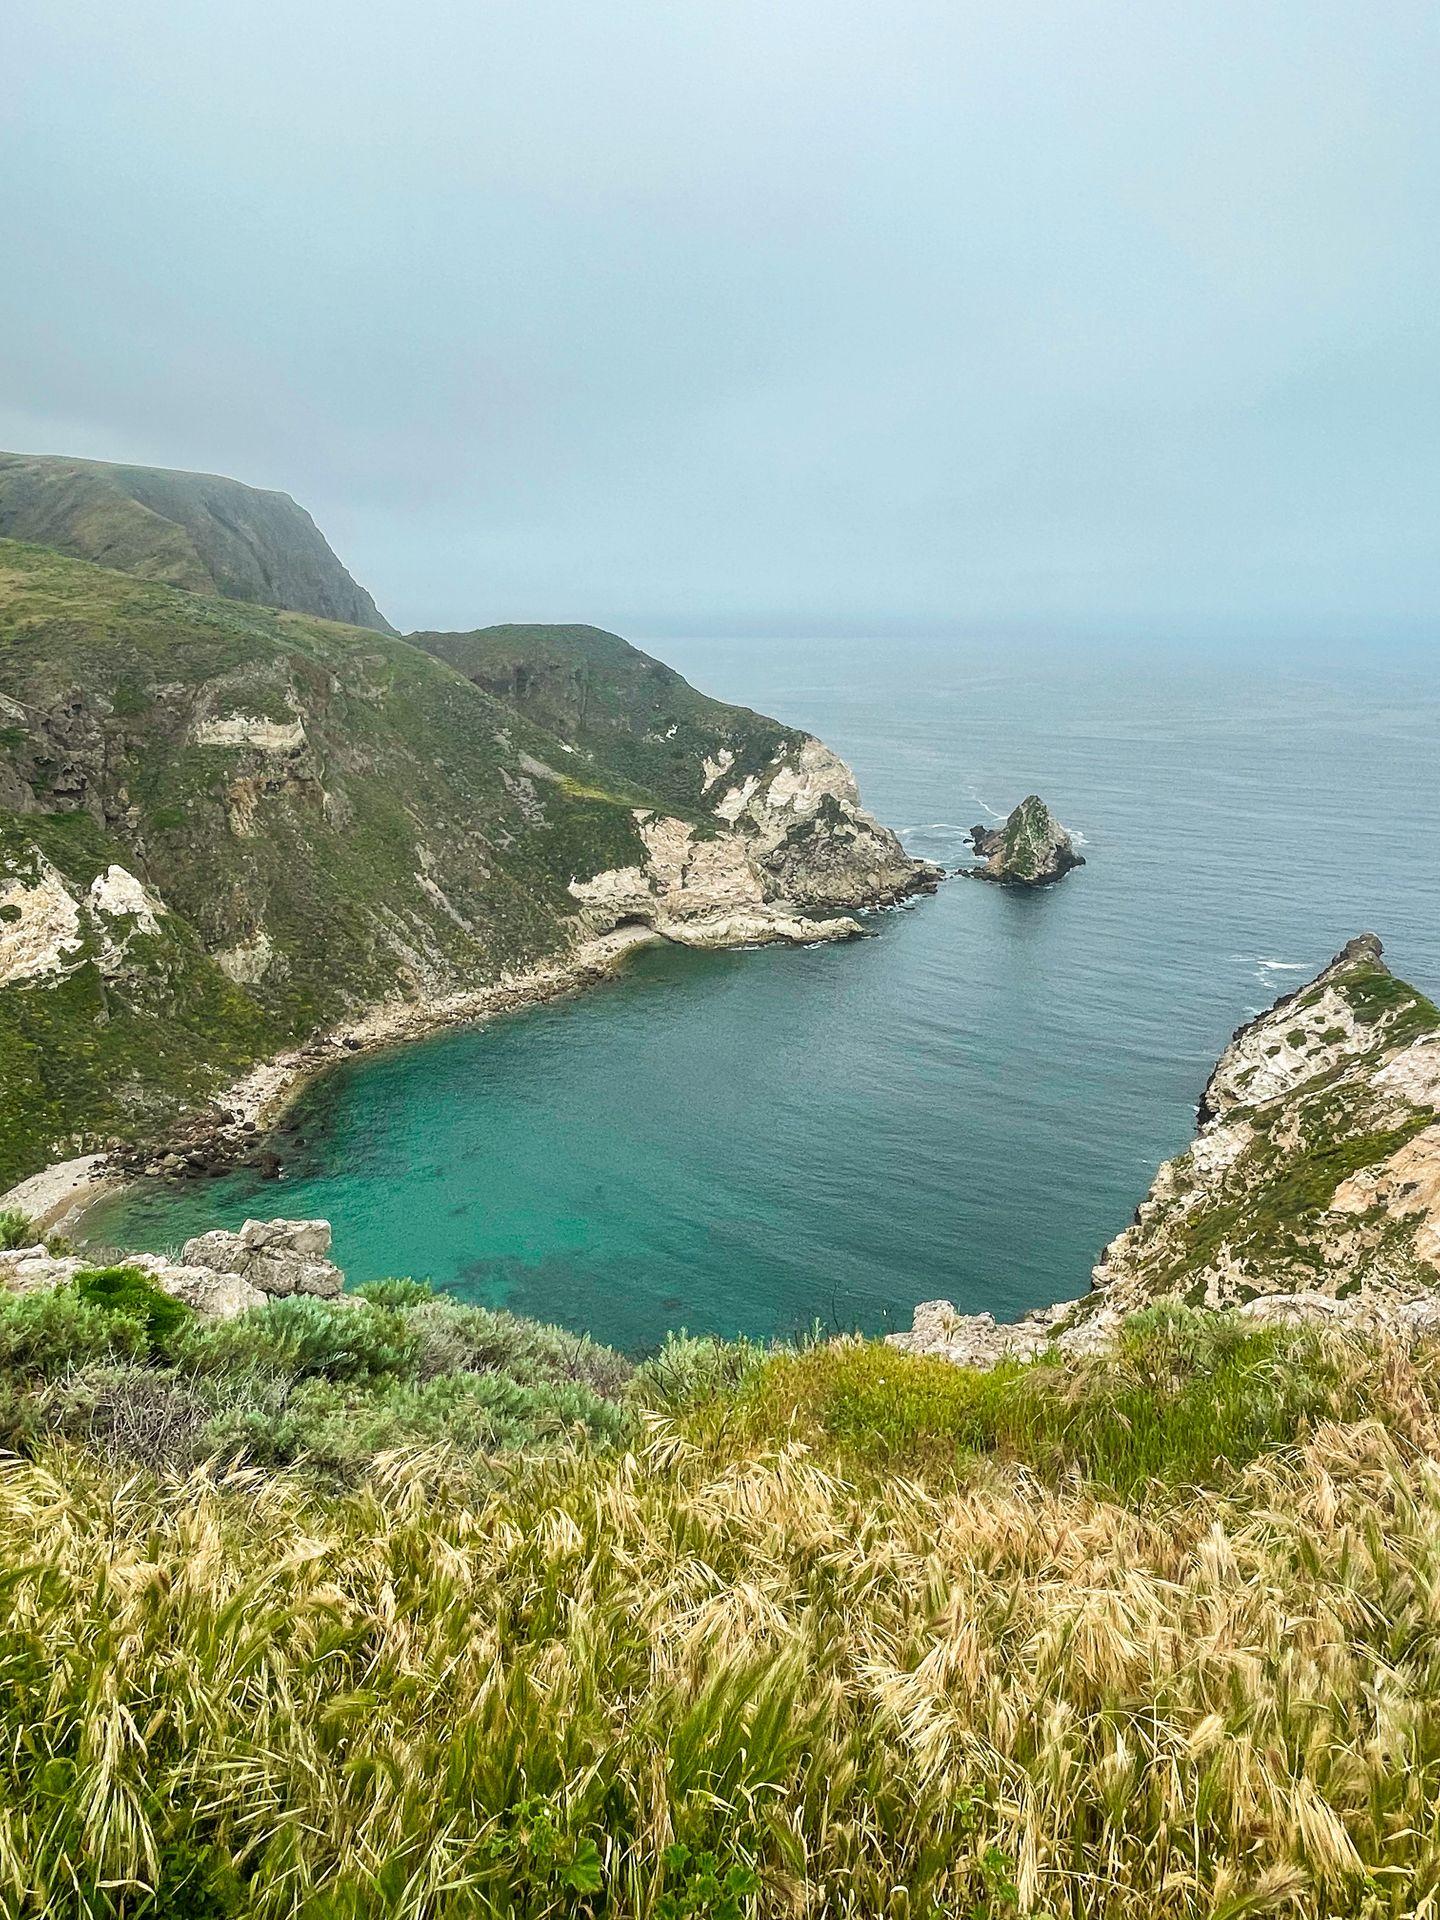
(968, 1104)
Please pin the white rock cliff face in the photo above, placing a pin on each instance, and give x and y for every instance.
(795, 849)
(46, 931)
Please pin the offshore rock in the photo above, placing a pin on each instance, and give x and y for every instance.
(1032, 849)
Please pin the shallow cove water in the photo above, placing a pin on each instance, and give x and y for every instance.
(968, 1104)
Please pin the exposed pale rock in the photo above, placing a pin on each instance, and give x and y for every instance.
(716, 767)
(117, 893)
(699, 891)
(221, 1295)
(1407, 1187)
(1270, 1056)
(1342, 1073)
(1260, 1213)
(279, 1257)
(1414, 1073)
(40, 933)
(731, 805)
(250, 730)
(248, 961)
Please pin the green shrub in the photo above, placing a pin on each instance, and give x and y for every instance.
(395, 1293)
(129, 1292)
(337, 1430)
(457, 1338)
(688, 1368)
(306, 1338)
(42, 1335)
(16, 1230)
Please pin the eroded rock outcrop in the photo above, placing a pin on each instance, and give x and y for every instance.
(276, 1257)
(219, 1273)
(1031, 849)
(794, 852)
(1317, 1166)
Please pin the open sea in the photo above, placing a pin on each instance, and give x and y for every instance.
(967, 1105)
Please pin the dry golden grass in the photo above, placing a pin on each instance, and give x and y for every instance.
(696, 1680)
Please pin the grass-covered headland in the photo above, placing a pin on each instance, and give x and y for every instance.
(407, 1608)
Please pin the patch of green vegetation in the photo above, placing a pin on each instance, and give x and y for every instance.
(87, 1058)
(16, 1229)
(319, 1385)
(627, 712)
(131, 1294)
(1375, 995)
(1184, 1399)
(1268, 1207)
(970, 1648)
(196, 531)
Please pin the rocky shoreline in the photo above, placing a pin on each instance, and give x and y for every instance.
(244, 1125)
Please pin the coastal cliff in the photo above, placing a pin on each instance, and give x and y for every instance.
(1311, 1191)
(198, 531)
(226, 828)
(1316, 1169)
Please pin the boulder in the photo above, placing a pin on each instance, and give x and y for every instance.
(969, 1339)
(277, 1257)
(221, 1295)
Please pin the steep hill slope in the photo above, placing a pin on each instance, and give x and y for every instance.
(193, 530)
(223, 826)
(796, 799)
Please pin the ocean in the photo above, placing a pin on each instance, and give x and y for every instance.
(966, 1105)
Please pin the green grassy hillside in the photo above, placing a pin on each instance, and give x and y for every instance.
(596, 691)
(198, 531)
(324, 815)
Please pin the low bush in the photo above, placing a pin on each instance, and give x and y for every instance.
(338, 1432)
(690, 1368)
(319, 1385)
(43, 1335)
(129, 1293)
(306, 1339)
(16, 1230)
(459, 1338)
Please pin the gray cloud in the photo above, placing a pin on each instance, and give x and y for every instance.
(726, 316)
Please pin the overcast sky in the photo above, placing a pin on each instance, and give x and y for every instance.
(799, 316)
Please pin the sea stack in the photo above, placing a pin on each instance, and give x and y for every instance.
(1030, 850)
